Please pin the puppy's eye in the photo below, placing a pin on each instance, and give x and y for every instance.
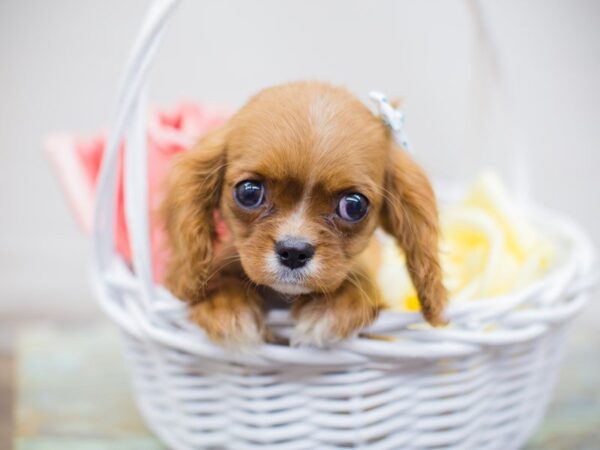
(352, 207)
(249, 194)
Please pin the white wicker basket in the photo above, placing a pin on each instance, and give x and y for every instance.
(482, 383)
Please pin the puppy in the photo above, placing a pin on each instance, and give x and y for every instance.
(302, 176)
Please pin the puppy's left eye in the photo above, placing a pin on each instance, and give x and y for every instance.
(249, 194)
(352, 207)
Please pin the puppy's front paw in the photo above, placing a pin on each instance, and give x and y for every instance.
(231, 320)
(315, 327)
(323, 322)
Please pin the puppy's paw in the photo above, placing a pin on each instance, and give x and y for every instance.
(230, 320)
(323, 324)
(316, 328)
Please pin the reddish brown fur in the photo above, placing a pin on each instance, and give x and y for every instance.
(307, 142)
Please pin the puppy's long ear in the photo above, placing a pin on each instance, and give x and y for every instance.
(193, 193)
(409, 214)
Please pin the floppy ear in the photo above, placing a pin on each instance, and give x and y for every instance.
(193, 193)
(409, 213)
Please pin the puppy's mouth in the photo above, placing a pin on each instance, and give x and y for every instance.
(291, 288)
(290, 282)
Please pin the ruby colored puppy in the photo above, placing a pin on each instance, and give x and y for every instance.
(302, 176)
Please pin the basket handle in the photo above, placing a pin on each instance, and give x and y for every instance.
(130, 123)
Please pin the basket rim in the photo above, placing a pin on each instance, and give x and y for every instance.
(518, 317)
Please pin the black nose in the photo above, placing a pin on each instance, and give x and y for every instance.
(293, 253)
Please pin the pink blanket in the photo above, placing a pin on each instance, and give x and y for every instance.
(77, 160)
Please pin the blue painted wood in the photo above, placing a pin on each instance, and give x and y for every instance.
(73, 392)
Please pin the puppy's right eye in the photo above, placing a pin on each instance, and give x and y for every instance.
(249, 194)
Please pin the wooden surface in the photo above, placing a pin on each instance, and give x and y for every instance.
(6, 399)
(72, 393)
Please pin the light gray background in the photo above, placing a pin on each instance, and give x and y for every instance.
(60, 62)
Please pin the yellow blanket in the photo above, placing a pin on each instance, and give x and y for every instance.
(488, 247)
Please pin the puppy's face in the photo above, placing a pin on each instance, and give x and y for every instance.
(302, 175)
(303, 185)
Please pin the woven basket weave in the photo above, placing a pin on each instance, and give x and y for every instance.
(482, 383)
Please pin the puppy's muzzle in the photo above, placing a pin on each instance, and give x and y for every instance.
(294, 253)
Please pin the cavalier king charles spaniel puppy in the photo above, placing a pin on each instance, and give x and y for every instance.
(301, 176)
